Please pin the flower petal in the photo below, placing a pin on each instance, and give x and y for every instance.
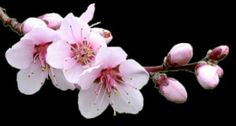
(73, 29)
(88, 76)
(96, 40)
(21, 54)
(73, 74)
(69, 63)
(42, 35)
(57, 52)
(30, 80)
(91, 102)
(59, 80)
(87, 16)
(133, 73)
(126, 100)
(111, 56)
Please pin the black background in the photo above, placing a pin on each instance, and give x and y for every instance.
(146, 30)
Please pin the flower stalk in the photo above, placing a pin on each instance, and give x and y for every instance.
(10, 22)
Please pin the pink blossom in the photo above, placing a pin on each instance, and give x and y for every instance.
(28, 55)
(180, 54)
(31, 23)
(208, 75)
(116, 82)
(171, 89)
(219, 52)
(53, 20)
(77, 48)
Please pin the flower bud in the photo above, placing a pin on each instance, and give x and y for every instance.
(219, 71)
(171, 89)
(208, 76)
(219, 52)
(106, 34)
(180, 54)
(53, 20)
(31, 23)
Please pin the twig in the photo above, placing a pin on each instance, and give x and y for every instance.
(10, 22)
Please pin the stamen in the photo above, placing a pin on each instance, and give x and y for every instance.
(73, 34)
(96, 23)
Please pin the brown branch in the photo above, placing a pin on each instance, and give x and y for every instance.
(10, 22)
(162, 68)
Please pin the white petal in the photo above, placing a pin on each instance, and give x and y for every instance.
(133, 73)
(88, 76)
(42, 35)
(30, 80)
(96, 40)
(69, 63)
(73, 74)
(88, 14)
(21, 54)
(111, 56)
(91, 102)
(126, 100)
(57, 52)
(59, 80)
(73, 29)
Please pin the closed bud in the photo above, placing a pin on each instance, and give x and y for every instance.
(180, 54)
(219, 52)
(53, 20)
(31, 23)
(171, 89)
(106, 34)
(207, 75)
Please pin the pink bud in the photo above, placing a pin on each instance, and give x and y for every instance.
(219, 52)
(207, 76)
(106, 34)
(172, 89)
(31, 23)
(219, 71)
(180, 54)
(53, 20)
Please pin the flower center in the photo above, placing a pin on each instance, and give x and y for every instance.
(40, 54)
(109, 78)
(83, 52)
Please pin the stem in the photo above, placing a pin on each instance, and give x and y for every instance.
(10, 22)
(162, 68)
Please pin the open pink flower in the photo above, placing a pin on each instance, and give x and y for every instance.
(29, 55)
(116, 82)
(77, 49)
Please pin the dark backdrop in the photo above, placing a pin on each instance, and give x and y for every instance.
(146, 30)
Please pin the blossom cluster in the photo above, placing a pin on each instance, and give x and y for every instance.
(75, 55)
